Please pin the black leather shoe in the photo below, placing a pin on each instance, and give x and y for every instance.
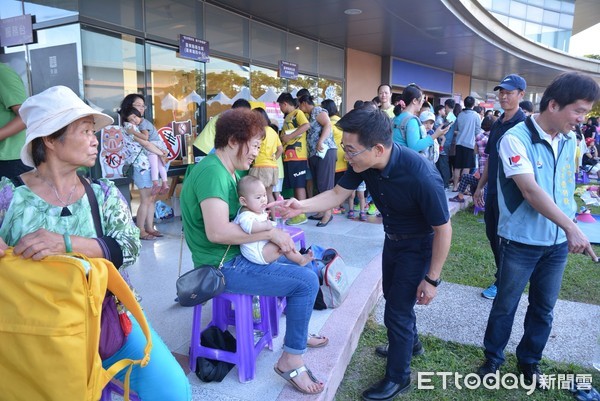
(488, 367)
(382, 350)
(531, 372)
(385, 390)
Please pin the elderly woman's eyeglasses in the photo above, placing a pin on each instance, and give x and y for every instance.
(351, 155)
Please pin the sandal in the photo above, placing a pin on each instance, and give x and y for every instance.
(147, 237)
(291, 374)
(324, 341)
(155, 233)
(457, 199)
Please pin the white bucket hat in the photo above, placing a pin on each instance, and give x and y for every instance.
(51, 110)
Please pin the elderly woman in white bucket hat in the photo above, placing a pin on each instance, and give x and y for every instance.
(46, 212)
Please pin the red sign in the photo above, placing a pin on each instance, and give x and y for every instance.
(172, 141)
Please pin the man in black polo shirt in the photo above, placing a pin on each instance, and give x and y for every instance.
(409, 193)
(511, 91)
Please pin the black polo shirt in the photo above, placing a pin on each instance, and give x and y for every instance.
(497, 131)
(408, 192)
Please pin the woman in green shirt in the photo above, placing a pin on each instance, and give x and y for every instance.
(209, 203)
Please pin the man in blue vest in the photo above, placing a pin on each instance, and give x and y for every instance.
(536, 182)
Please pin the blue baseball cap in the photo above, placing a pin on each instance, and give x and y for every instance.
(512, 82)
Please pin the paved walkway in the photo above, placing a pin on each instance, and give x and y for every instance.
(457, 314)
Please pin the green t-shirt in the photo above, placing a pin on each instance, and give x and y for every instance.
(208, 179)
(12, 93)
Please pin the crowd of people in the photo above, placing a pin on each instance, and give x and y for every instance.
(397, 153)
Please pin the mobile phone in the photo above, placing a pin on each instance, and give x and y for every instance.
(446, 124)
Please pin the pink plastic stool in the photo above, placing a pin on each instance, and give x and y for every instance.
(240, 316)
(297, 234)
(113, 387)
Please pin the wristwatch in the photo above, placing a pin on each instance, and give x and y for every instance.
(434, 283)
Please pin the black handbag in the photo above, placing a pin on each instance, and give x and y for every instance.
(201, 284)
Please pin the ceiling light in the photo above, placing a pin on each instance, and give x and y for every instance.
(353, 11)
(441, 53)
(297, 47)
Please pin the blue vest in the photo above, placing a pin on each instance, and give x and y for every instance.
(518, 220)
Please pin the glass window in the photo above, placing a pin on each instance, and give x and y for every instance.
(502, 18)
(487, 4)
(116, 72)
(267, 44)
(170, 18)
(55, 59)
(224, 80)
(331, 61)
(552, 5)
(304, 81)
(539, 3)
(566, 21)
(550, 18)
(264, 82)
(303, 52)
(51, 9)
(535, 13)
(500, 6)
(532, 30)
(331, 89)
(175, 86)
(567, 7)
(518, 9)
(517, 25)
(125, 13)
(11, 8)
(226, 32)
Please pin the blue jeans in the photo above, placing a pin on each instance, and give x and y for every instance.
(162, 379)
(404, 264)
(542, 267)
(280, 278)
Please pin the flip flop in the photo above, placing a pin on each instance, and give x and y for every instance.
(317, 337)
(321, 224)
(457, 199)
(155, 233)
(147, 237)
(290, 374)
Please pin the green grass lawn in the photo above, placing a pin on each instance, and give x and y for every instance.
(440, 356)
(471, 262)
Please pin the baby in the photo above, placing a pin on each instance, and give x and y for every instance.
(252, 218)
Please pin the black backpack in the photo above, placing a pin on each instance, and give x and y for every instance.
(210, 370)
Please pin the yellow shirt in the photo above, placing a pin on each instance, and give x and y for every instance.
(268, 148)
(341, 164)
(295, 149)
(390, 111)
(206, 140)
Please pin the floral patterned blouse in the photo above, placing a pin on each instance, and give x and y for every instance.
(23, 212)
(314, 132)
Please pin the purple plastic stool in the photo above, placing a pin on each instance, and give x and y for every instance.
(297, 234)
(478, 209)
(113, 387)
(582, 178)
(276, 308)
(240, 316)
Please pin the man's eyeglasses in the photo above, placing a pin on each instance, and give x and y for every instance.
(352, 155)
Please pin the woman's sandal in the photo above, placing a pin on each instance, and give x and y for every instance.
(147, 237)
(155, 233)
(291, 374)
(324, 341)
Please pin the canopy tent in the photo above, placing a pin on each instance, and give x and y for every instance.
(221, 98)
(269, 96)
(244, 93)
